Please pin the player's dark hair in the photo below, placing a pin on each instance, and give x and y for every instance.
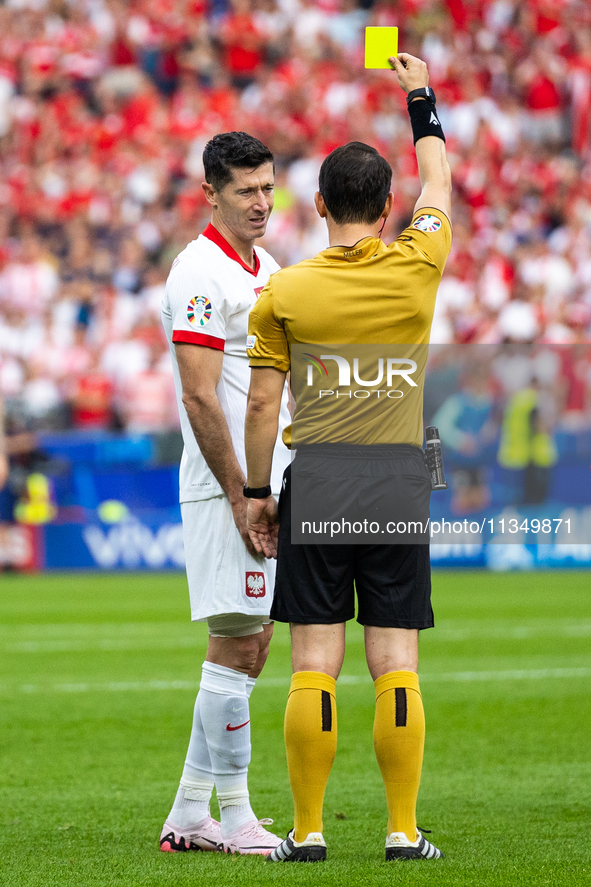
(232, 150)
(355, 182)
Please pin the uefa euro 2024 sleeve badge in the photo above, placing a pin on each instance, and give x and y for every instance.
(427, 223)
(199, 311)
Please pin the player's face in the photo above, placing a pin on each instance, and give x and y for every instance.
(245, 203)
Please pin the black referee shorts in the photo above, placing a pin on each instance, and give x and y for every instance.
(316, 584)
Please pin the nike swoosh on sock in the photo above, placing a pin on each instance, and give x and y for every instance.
(229, 727)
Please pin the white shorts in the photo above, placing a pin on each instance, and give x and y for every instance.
(223, 577)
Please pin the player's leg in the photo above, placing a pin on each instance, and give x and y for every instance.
(237, 604)
(189, 825)
(223, 693)
(234, 661)
(218, 572)
(219, 748)
(393, 586)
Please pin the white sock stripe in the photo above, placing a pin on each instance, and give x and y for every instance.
(197, 794)
(191, 783)
(213, 668)
(232, 798)
(223, 681)
(196, 789)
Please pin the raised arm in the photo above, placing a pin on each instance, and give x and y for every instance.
(434, 171)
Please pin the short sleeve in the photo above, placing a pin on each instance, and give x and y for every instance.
(197, 306)
(429, 233)
(267, 344)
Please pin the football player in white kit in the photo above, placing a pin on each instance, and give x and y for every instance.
(212, 286)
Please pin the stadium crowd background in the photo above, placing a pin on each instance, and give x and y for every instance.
(106, 105)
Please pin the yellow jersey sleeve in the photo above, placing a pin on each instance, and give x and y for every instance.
(430, 234)
(266, 345)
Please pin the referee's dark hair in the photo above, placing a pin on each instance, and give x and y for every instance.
(355, 181)
(232, 150)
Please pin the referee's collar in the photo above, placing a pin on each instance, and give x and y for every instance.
(366, 248)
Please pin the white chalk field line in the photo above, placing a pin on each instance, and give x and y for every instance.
(536, 674)
(121, 637)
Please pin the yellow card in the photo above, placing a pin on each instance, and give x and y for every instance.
(380, 44)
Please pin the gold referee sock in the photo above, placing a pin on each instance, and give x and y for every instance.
(310, 742)
(399, 738)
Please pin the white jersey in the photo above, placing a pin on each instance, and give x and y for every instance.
(209, 294)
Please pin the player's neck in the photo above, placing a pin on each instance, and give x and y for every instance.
(349, 235)
(244, 248)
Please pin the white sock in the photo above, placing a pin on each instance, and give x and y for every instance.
(226, 723)
(187, 811)
(191, 804)
(250, 682)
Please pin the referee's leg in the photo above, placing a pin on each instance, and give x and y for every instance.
(399, 725)
(311, 720)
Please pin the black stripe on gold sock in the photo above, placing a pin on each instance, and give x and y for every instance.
(400, 707)
(326, 712)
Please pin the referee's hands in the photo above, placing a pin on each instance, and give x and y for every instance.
(412, 72)
(262, 525)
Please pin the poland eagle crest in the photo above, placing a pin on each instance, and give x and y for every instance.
(255, 585)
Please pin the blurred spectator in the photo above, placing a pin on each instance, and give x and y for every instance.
(576, 373)
(147, 401)
(527, 450)
(41, 397)
(92, 399)
(243, 43)
(106, 105)
(31, 280)
(467, 429)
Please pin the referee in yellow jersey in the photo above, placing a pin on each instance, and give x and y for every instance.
(357, 291)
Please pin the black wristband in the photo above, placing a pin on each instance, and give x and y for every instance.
(257, 492)
(423, 92)
(424, 121)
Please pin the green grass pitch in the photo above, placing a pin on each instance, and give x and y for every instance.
(98, 675)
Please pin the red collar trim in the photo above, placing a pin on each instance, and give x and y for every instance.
(214, 235)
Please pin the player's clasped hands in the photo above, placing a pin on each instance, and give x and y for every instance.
(239, 514)
(412, 72)
(263, 525)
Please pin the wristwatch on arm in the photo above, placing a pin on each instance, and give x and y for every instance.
(257, 492)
